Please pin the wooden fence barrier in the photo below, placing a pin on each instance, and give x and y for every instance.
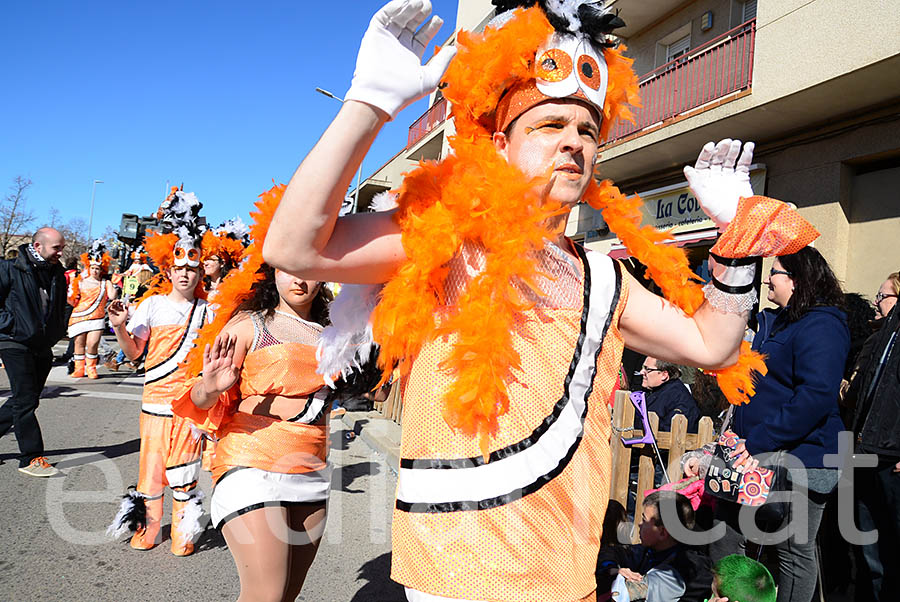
(676, 442)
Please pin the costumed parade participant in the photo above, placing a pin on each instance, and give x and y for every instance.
(133, 279)
(260, 395)
(508, 335)
(137, 274)
(223, 249)
(166, 322)
(89, 294)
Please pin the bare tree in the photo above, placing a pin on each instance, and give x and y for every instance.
(76, 233)
(15, 218)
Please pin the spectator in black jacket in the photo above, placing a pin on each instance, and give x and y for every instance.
(659, 569)
(667, 395)
(876, 424)
(32, 319)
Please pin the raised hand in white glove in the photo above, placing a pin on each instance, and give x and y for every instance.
(719, 179)
(389, 71)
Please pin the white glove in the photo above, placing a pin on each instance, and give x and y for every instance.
(389, 72)
(719, 183)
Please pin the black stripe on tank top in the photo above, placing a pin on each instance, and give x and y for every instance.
(516, 494)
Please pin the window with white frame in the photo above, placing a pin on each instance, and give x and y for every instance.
(673, 45)
(678, 47)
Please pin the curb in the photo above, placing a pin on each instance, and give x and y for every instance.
(379, 433)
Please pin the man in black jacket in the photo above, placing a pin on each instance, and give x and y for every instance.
(32, 319)
(876, 391)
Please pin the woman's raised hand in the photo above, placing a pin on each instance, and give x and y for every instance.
(219, 371)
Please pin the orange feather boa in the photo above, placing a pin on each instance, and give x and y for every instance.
(475, 196)
(238, 285)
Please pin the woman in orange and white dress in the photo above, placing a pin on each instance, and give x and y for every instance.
(89, 295)
(270, 410)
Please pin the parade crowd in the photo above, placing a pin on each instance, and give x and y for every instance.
(508, 341)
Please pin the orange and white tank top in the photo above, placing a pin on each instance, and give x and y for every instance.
(91, 304)
(282, 361)
(169, 329)
(526, 524)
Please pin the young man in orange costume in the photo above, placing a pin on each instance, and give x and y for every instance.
(166, 322)
(508, 335)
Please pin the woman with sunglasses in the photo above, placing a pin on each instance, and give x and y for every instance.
(795, 407)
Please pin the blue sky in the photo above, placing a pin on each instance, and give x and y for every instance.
(218, 95)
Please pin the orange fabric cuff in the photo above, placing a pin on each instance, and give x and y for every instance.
(764, 227)
(211, 419)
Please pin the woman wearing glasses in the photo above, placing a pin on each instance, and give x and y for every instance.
(795, 409)
(886, 297)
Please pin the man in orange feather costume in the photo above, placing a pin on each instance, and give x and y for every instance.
(508, 336)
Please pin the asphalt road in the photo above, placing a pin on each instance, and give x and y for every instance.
(52, 531)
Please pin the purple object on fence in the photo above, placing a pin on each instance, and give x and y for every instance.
(640, 404)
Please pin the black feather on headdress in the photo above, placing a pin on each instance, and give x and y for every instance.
(98, 248)
(181, 215)
(595, 20)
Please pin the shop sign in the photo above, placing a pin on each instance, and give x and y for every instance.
(675, 207)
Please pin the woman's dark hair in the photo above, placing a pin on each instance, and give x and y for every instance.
(814, 282)
(860, 314)
(265, 298)
(673, 370)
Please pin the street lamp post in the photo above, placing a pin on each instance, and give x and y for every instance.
(359, 171)
(91, 220)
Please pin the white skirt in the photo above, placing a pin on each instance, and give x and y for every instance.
(86, 326)
(241, 490)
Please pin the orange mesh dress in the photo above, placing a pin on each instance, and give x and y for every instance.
(90, 311)
(262, 460)
(526, 524)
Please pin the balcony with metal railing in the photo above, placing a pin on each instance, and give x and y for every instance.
(433, 117)
(704, 76)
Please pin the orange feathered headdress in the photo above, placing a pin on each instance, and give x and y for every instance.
(97, 255)
(227, 242)
(237, 286)
(177, 240)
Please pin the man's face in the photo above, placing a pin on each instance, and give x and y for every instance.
(558, 138)
(652, 376)
(652, 534)
(50, 246)
(184, 280)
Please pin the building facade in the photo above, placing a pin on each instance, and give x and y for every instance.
(815, 83)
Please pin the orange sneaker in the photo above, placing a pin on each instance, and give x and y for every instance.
(39, 467)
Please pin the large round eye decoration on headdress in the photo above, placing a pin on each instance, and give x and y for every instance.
(553, 66)
(186, 256)
(567, 64)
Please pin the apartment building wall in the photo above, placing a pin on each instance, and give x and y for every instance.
(647, 48)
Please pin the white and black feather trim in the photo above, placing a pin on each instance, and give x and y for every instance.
(191, 525)
(132, 514)
(579, 17)
(181, 215)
